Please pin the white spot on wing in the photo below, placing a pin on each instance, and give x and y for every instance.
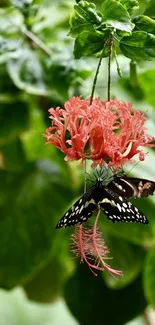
(106, 201)
(81, 209)
(119, 207)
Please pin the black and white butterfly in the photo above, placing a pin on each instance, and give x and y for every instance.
(112, 199)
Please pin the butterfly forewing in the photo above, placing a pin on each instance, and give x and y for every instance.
(119, 209)
(81, 210)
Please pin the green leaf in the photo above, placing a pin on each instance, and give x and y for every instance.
(14, 155)
(149, 278)
(22, 5)
(150, 10)
(144, 23)
(27, 73)
(148, 78)
(65, 74)
(46, 286)
(11, 20)
(130, 5)
(14, 119)
(9, 48)
(125, 257)
(88, 43)
(116, 16)
(37, 200)
(90, 301)
(84, 18)
(138, 46)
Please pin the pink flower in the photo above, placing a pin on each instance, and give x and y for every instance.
(106, 132)
(88, 244)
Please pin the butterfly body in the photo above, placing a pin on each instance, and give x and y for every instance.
(84, 207)
(112, 199)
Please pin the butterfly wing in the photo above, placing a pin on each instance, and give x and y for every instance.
(132, 187)
(119, 209)
(141, 187)
(112, 199)
(81, 210)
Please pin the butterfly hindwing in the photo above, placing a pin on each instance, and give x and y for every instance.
(119, 209)
(80, 211)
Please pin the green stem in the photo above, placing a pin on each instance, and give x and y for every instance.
(95, 78)
(109, 67)
(117, 64)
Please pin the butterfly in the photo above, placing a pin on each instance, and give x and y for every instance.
(112, 199)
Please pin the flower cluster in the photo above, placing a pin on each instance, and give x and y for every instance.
(106, 132)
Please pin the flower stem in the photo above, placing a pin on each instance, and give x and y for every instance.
(117, 64)
(95, 78)
(109, 67)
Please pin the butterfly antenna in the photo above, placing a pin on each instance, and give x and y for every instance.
(87, 174)
(102, 170)
(122, 172)
(98, 172)
(95, 175)
(90, 180)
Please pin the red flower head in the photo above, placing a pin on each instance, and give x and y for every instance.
(110, 131)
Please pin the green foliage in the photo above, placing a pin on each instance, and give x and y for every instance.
(84, 18)
(88, 43)
(116, 16)
(95, 29)
(149, 279)
(138, 46)
(130, 5)
(144, 23)
(126, 257)
(38, 71)
(150, 9)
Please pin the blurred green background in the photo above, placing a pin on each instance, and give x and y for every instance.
(40, 281)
